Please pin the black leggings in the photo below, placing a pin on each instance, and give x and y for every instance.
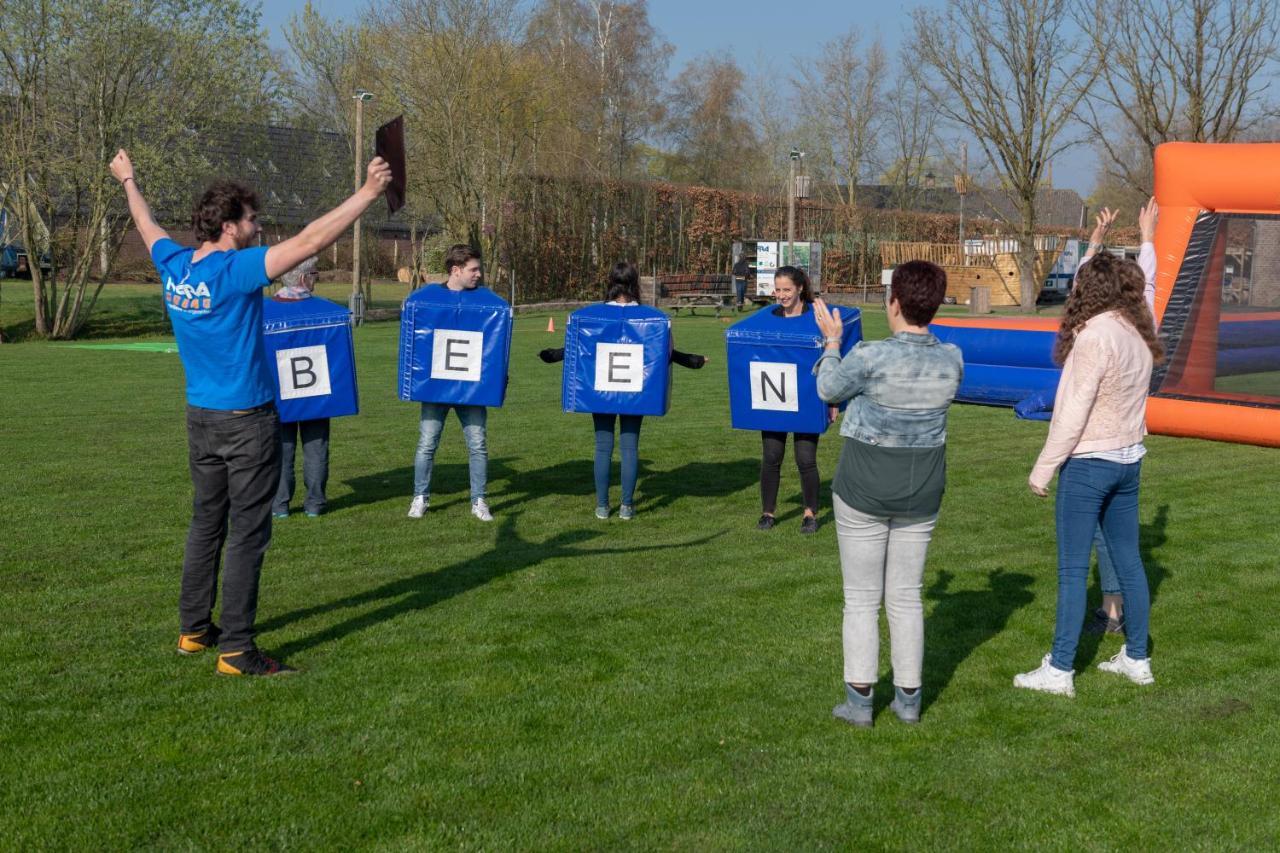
(775, 447)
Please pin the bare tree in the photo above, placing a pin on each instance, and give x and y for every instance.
(841, 91)
(86, 78)
(474, 98)
(715, 144)
(1008, 72)
(911, 139)
(1191, 70)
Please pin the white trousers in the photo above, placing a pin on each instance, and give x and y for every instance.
(882, 558)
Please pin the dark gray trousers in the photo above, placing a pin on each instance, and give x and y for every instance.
(235, 470)
(315, 464)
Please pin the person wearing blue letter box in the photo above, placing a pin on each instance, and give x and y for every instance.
(455, 340)
(617, 358)
(309, 342)
(771, 389)
(214, 297)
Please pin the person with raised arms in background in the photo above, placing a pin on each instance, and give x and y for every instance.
(213, 293)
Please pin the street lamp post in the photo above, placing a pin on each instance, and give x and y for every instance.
(794, 157)
(357, 297)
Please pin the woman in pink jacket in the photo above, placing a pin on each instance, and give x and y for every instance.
(1106, 344)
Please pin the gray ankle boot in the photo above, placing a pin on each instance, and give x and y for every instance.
(855, 709)
(906, 705)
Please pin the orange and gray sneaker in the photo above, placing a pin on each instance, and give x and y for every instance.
(251, 662)
(194, 644)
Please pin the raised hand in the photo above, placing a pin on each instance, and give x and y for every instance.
(1147, 219)
(379, 176)
(122, 166)
(828, 319)
(1102, 224)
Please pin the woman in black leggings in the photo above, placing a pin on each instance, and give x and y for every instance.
(791, 292)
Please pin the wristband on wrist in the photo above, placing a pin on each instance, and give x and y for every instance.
(832, 341)
(127, 179)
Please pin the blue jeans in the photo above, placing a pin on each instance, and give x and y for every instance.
(629, 447)
(1106, 569)
(1093, 492)
(473, 420)
(315, 464)
(740, 290)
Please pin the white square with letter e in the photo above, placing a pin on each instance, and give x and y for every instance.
(304, 372)
(620, 367)
(773, 386)
(455, 354)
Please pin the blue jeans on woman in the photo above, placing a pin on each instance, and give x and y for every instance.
(473, 420)
(1093, 492)
(629, 446)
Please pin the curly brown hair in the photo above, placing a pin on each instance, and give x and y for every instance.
(1107, 283)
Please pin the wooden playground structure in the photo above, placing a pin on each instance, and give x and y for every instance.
(987, 263)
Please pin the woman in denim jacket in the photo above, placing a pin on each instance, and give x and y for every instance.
(889, 481)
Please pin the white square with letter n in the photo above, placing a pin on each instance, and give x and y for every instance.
(773, 386)
(620, 367)
(455, 354)
(304, 372)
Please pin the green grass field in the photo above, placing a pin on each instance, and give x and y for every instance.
(553, 681)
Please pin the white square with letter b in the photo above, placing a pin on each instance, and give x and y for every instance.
(456, 355)
(304, 372)
(774, 386)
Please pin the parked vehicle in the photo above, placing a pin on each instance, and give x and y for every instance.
(14, 262)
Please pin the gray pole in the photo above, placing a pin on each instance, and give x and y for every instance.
(357, 298)
(791, 207)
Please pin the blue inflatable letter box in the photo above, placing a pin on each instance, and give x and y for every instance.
(617, 361)
(771, 381)
(454, 346)
(309, 346)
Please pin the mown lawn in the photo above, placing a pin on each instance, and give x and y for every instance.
(553, 681)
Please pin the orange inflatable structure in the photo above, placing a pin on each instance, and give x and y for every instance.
(1218, 292)
(1217, 306)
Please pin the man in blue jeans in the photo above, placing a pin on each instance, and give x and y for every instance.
(462, 263)
(214, 298)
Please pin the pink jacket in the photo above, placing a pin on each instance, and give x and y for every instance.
(1101, 402)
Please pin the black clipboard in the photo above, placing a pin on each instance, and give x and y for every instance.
(389, 145)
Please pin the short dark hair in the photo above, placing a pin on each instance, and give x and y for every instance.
(799, 278)
(223, 201)
(458, 256)
(919, 287)
(624, 280)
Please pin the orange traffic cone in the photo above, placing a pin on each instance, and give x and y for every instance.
(551, 324)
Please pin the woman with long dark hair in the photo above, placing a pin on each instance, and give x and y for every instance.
(794, 301)
(623, 291)
(1106, 345)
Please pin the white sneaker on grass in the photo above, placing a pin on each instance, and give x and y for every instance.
(1137, 671)
(480, 510)
(1047, 678)
(418, 508)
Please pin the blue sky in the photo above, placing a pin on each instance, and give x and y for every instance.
(746, 28)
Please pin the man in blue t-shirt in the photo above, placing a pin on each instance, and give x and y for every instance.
(214, 298)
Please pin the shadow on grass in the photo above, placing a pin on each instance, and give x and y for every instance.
(696, 480)
(1150, 537)
(962, 621)
(509, 554)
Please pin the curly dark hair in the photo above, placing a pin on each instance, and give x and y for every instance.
(1107, 283)
(799, 278)
(919, 287)
(223, 201)
(459, 255)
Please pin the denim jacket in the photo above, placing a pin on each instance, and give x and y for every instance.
(899, 389)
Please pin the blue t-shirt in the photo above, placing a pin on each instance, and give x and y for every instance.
(216, 308)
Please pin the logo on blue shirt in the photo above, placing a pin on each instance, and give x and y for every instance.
(187, 298)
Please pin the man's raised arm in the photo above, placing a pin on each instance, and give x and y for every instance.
(321, 233)
(122, 169)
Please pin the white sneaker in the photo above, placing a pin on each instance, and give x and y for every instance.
(1137, 671)
(419, 506)
(1047, 678)
(480, 510)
